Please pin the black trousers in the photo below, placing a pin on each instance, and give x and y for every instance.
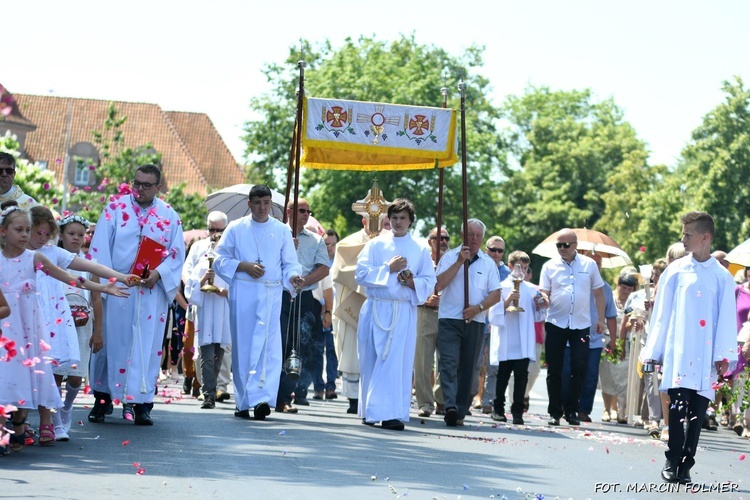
(309, 331)
(685, 406)
(520, 370)
(554, 346)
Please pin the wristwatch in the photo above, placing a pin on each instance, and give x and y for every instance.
(326, 312)
(481, 307)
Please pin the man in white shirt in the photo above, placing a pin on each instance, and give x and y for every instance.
(461, 327)
(692, 335)
(569, 280)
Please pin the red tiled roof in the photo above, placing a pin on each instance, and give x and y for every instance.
(183, 157)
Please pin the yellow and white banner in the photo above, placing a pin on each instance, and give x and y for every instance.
(356, 135)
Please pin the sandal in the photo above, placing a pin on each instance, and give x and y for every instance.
(18, 439)
(46, 435)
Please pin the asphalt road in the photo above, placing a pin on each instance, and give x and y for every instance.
(324, 453)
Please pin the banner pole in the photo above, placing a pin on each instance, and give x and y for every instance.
(441, 182)
(465, 189)
(297, 145)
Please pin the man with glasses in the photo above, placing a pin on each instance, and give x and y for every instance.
(8, 190)
(211, 329)
(569, 280)
(460, 327)
(305, 332)
(425, 361)
(127, 367)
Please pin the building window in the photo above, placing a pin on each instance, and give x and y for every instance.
(82, 172)
(41, 164)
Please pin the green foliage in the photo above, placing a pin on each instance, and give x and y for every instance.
(116, 168)
(568, 151)
(191, 208)
(715, 163)
(33, 181)
(401, 72)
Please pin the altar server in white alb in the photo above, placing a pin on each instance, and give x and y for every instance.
(257, 258)
(398, 275)
(127, 367)
(693, 335)
(513, 337)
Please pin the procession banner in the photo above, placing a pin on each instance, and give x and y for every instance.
(356, 135)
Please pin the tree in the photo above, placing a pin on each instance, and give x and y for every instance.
(716, 163)
(33, 181)
(401, 72)
(565, 150)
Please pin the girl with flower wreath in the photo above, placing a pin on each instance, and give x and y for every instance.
(26, 379)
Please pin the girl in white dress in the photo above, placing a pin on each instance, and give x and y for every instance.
(66, 349)
(26, 379)
(72, 235)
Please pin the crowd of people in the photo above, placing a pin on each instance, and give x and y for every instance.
(278, 305)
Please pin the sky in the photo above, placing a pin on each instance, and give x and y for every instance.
(663, 62)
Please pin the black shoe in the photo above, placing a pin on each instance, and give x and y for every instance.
(368, 423)
(110, 409)
(331, 394)
(196, 392)
(222, 396)
(451, 417)
(127, 412)
(669, 472)
(713, 425)
(187, 385)
(99, 411)
(572, 419)
(208, 403)
(142, 415)
(553, 421)
(353, 406)
(301, 402)
(394, 425)
(261, 411)
(683, 475)
(517, 419)
(242, 413)
(498, 416)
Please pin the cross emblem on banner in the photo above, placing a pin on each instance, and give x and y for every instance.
(373, 207)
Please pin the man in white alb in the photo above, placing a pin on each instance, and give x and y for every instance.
(256, 257)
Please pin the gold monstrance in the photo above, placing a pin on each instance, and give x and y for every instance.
(517, 276)
(373, 207)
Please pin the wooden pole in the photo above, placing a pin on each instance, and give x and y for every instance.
(465, 188)
(290, 170)
(297, 149)
(439, 222)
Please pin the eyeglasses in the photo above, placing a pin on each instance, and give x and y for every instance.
(144, 185)
(564, 245)
(304, 211)
(8, 170)
(496, 250)
(442, 238)
(213, 230)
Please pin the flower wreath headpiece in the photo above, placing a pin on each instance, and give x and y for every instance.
(8, 210)
(73, 218)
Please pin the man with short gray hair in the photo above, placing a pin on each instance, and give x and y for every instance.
(460, 327)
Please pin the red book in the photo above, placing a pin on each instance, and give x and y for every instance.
(150, 255)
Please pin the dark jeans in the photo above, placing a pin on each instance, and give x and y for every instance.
(332, 364)
(174, 344)
(458, 345)
(685, 406)
(588, 390)
(554, 346)
(309, 332)
(520, 370)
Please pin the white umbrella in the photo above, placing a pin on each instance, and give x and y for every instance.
(612, 255)
(740, 254)
(232, 201)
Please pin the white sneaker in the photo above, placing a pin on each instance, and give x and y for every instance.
(61, 434)
(66, 417)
